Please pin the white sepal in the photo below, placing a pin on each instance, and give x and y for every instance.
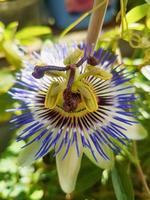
(27, 155)
(68, 168)
(100, 161)
(136, 132)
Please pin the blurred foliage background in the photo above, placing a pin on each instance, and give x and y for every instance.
(129, 179)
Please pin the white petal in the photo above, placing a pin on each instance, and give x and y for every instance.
(27, 156)
(136, 132)
(52, 54)
(101, 162)
(68, 168)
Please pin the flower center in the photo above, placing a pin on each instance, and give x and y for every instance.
(79, 98)
(74, 95)
(71, 100)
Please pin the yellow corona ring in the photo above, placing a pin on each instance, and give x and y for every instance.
(81, 86)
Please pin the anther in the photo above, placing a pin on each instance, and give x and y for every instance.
(91, 60)
(39, 71)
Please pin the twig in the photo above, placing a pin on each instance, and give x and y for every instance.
(96, 23)
(140, 171)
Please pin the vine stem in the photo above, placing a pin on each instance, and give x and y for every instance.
(96, 23)
(140, 171)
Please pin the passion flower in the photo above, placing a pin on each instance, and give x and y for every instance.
(74, 104)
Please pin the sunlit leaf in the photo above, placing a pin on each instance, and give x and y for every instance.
(6, 102)
(6, 80)
(85, 181)
(36, 195)
(10, 31)
(148, 22)
(12, 53)
(137, 13)
(148, 1)
(136, 26)
(2, 25)
(30, 32)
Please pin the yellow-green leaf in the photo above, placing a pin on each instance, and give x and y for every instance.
(136, 26)
(10, 31)
(30, 32)
(122, 183)
(2, 25)
(6, 80)
(12, 53)
(148, 22)
(137, 13)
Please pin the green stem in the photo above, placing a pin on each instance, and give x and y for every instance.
(68, 197)
(124, 24)
(96, 23)
(140, 171)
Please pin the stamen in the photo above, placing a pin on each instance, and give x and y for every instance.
(39, 71)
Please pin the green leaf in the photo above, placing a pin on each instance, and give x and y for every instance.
(37, 194)
(148, 22)
(121, 182)
(148, 1)
(2, 25)
(136, 26)
(12, 53)
(137, 13)
(30, 32)
(10, 31)
(85, 181)
(2, 30)
(6, 80)
(6, 102)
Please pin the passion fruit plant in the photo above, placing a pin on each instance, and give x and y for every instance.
(80, 102)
